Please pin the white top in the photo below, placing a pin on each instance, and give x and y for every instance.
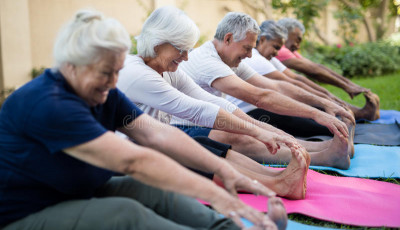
(205, 65)
(259, 63)
(173, 94)
(278, 64)
(262, 66)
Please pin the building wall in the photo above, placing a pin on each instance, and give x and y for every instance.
(28, 27)
(15, 46)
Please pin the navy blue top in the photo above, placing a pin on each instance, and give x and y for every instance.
(37, 122)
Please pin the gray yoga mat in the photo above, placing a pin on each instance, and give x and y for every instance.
(374, 134)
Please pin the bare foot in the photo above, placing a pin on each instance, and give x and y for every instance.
(351, 128)
(292, 182)
(336, 155)
(370, 111)
(277, 212)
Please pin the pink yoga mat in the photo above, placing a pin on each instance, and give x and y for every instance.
(345, 200)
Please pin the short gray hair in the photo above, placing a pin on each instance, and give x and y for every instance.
(167, 25)
(271, 30)
(81, 41)
(238, 24)
(290, 24)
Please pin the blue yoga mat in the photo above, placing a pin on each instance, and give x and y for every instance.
(371, 161)
(292, 225)
(386, 117)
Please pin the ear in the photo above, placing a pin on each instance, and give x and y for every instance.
(228, 38)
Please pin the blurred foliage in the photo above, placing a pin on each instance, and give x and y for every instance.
(134, 45)
(4, 94)
(304, 10)
(37, 71)
(368, 59)
(373, 15)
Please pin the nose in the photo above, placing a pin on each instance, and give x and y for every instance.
(249, 54)
(185, 55)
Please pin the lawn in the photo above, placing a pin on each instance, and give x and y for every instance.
(387, 87)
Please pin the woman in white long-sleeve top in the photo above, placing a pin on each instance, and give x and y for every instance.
(151, 80)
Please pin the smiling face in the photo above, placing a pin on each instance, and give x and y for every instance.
(269, 48)
(234, 52)
(93, 82)
(168, 58)
(294, 39)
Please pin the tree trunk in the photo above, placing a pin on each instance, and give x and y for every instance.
(382, 13)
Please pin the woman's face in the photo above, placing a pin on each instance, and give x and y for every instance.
(93, 82)
(269, 48)
(168, 58)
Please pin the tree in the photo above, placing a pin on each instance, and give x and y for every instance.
(375, 15)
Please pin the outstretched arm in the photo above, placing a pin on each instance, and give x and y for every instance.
(276, 75)
(277, 103)
(315, 86)
(313, 70)
(151, 167)
(300, 95)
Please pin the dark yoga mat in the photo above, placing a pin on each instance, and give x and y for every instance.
(373, 134)
(386, 117)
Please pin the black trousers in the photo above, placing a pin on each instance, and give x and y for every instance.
(296, 126)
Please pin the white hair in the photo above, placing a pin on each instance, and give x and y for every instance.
(238, 24)
(290, 24)
(167, 25)
(81, 41)
(271, 30)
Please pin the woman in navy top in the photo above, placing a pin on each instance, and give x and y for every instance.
(59, 153)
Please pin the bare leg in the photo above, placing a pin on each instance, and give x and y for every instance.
(336, 155)
(332, 153)
(289, 183)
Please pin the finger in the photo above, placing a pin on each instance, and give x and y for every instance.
(236, 218)
(232, 191)
(347, 115)
(271, 148)
(252, 215)
(342, 127)
(260, 189)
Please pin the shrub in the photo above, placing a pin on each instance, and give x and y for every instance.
(369, 59)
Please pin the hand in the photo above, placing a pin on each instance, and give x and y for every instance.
(273, 140)
(334, 125)
(336, 110)
(235, 209)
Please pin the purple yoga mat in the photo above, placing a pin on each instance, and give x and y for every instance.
(344, 200)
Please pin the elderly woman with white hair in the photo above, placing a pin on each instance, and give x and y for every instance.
(289, 56)
(269, 41)
(152, 81)
(59, 152)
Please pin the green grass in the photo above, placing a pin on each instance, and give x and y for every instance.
(387, 87)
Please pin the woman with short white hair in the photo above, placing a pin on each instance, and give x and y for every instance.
(59, 152)
(159, 89)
